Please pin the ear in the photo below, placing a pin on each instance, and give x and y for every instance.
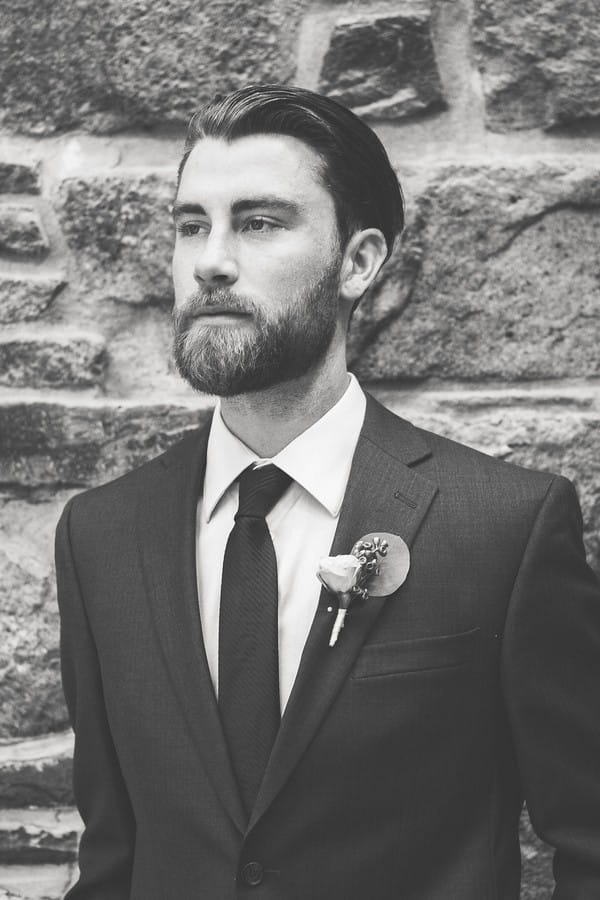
(364, 255)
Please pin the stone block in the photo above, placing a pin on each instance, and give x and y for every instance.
(26, 297)
(64, 358)
(31, 700)
(497, 278)
(38, 836)
(20, 177)
(44, 443)
(113, 65)
(537, 882)
(121, 234)
(22, 232)
(383, 65)
(43, 882)
(539, 61)
(37, 772)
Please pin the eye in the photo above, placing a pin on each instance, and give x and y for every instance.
(189, 229)
(258, 224)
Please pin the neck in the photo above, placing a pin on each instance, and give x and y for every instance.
(266, 421)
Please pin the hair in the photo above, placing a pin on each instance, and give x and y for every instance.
(356, 169)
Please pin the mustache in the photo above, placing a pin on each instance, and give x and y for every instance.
(221, 296)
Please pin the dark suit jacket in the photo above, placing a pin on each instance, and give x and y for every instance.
(405, 752)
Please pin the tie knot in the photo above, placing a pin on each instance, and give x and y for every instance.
(260, 489)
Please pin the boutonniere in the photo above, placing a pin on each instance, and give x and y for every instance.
(376, 566)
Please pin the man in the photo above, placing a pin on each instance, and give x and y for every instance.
(223, 747)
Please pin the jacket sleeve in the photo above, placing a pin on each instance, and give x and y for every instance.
(106, 848)
(551, 682)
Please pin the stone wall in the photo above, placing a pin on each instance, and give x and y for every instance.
(484, 325)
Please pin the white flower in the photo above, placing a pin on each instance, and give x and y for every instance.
(339, 573)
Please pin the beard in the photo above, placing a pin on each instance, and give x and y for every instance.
(228, 360)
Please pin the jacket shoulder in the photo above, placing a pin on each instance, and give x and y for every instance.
(467, 461)
(437, 453)
(122, 493)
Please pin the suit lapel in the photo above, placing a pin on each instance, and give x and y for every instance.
(383, 494)
(167, 530)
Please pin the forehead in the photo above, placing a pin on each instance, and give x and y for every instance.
(221, 171)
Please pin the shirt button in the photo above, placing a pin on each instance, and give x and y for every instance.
(252, 873)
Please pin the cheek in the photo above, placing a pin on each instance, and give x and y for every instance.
(288, 270)
(182, 268)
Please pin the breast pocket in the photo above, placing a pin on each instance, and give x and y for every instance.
(422, 654)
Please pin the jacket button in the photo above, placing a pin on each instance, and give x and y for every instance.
(252, 873)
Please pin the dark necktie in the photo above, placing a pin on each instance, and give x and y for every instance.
(248, 656)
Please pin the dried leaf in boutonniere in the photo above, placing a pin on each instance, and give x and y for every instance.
(377, 566)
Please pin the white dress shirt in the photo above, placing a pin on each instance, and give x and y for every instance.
(302, 524)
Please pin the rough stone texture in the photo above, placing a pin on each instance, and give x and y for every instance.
(26, 297)
(536, 863)
(539, 61)
(42, 882)
(31, 699)
(383, 66)
(52, 359)
(20, 177)
(36, 772)
(498, 277)
(44, 443)
(22, 232)
(76, 63)
(39, 836)
(120, 231)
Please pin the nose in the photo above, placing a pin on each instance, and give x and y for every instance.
(215, 261)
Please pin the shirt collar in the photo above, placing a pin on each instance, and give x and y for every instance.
(330, 442)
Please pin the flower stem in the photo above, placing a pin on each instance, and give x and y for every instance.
(337, 626)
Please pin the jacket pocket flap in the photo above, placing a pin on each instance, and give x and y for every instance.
(440, 652)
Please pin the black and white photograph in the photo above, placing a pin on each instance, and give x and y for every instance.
(300, 450)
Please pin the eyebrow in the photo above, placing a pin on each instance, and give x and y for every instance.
(240, 206)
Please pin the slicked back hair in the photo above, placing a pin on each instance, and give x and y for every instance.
(356, 169)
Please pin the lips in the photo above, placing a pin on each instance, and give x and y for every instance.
(219, 311)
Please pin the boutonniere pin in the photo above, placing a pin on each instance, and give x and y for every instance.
(376, 566)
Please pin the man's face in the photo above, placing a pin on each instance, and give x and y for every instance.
(255, 266)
